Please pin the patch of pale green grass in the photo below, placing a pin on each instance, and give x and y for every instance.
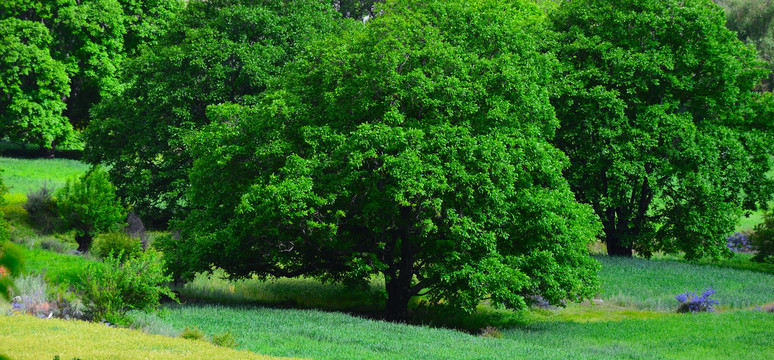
(27, 175)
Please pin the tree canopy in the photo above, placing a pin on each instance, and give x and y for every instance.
(657, 119)
(216, 51)
(61, 56)
(415, 146)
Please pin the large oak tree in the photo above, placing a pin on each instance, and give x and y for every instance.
(415, 146)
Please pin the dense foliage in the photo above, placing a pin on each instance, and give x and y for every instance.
(657, 119)
(59, 57)
(10, 254)
(415, 146)
(89, 205)
(112, 287)
(218, 51)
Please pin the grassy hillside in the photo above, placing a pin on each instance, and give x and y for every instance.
(29, 338)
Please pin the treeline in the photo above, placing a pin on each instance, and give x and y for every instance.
(462, 149)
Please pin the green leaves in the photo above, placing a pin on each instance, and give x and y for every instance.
(413, 147)
(32, 85)
(89, 205)
(224, 51)
(657, 122)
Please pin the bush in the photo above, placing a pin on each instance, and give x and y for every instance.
(192, 334)
(763, 239)
(690, 303)
(110, 288)
(89, 205)
(10, 265)
(738, 242)
(41, 208)
(34, 297)
(225, 339)
(115, 243)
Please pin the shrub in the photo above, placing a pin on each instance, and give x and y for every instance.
(35, 298)
(225, 339)
(115, 243)
(89, 205)
(738, 242)
(110, 288)
(192, 334)
(690, 303)
(41, 208)
(763, 239)
(10, 265)
(492, 332)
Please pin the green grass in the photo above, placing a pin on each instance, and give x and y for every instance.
(653, 284)
(323, 335)
(731, 335)
(27, 175)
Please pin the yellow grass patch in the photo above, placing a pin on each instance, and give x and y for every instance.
(26, 337)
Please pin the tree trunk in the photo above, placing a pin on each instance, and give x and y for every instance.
(397, 301)
(401, 274)
(48, 153)
(84, 242)
(614, 238)
(615, 246)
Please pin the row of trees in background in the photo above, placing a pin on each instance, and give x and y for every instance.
(463, 149)
(60, 57)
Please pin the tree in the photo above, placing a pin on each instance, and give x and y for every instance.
(89, 206)
(657, 122)
(32, 85)
(63, 56)
(218, 51)
(416, 147)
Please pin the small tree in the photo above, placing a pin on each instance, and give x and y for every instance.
(89, 205)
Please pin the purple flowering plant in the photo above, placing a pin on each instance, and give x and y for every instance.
(739, 242)
(689, 302)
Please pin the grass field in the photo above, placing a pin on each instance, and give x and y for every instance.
(26, 175)
(324, 335)
(633, 316)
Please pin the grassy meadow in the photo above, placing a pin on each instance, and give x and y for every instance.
(633, 317)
